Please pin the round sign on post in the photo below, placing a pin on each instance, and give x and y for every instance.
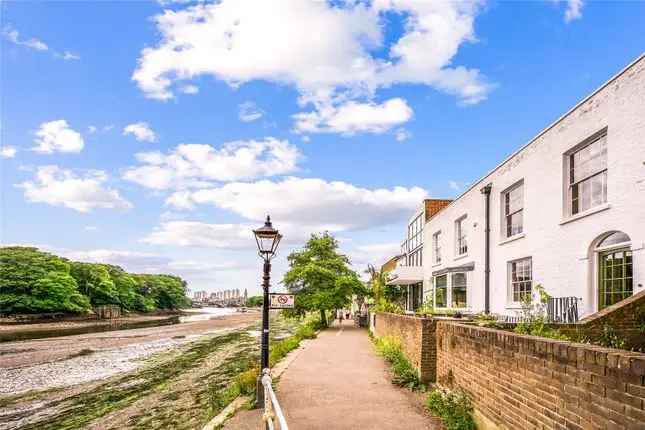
(281, 301)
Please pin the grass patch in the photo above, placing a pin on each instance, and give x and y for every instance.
(453, 407)
(404, 374)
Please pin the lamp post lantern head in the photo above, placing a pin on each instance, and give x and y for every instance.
(267, 239)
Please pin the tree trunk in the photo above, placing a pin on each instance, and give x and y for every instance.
(323, 318)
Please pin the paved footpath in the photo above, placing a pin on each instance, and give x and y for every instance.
(338, 382)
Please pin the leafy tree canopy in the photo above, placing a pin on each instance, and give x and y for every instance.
(321, 277)
(32, 281)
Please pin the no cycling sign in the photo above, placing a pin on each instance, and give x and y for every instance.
(281, 301)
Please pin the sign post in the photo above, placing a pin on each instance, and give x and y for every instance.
(281, 301)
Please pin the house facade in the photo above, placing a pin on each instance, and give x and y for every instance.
(566, 211)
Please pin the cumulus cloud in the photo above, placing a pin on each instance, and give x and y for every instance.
(574, 10)
(326, 51)
(353, 117)
(141, 131)
(199, 234)
(70, 56)
(248, 112)
(375, 254)
(401, 135)
(12, 35)
(309, 203)
(58, 136)
(190, 89)
(7, 151)
(196, 164)
(82, 191)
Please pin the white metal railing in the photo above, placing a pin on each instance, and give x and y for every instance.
(272, 409)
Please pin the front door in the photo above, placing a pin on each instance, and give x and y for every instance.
(615, 277)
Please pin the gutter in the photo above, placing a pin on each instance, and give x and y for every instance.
(486, 191)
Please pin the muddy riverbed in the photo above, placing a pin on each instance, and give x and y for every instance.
(156, 377)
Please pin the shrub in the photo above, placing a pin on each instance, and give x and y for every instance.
(610, 339)
(453, 407)
(537, 327)
(404, 374)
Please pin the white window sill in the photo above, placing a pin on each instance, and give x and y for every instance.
(437, 264)
(459, 257)
(588, 212)
(511, 239)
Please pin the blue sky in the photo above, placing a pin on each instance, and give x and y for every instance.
(155, 134)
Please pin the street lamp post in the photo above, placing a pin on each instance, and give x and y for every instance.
(267, 239)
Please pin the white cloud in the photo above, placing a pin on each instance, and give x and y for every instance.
(309, 204)
(248, 112)
(352, 117)
(92, 129)
(199, 234)
(57, 136)
(375, 254)
(401, 135)
(454, 185)
(90, 228)
(70, 56)
(190, 89)
(82, 191)
(13, 36)
(326, 51)
(8, 151)
(141, 131)
(195, 164)
(574, 10)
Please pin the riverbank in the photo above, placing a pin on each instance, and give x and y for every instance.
(177, 385)
(40, 330)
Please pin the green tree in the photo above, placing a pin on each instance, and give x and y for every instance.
(94, 282)
(35, 281)
(127, 290)
(320, 277)
(254, 301)
(167, 291)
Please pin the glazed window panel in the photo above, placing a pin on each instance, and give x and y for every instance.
(436, 245)
(616, 276)
(441, 291)
(587, 182)
(461, 236)
(459, 290)
(521, 279)
(514, 210)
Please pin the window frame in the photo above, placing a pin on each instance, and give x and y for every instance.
(436, 247)
(569, 181)
(461, 236)
(506, 207)
(449, 290)
(511, 283)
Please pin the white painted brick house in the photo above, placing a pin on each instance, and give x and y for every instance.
(566, 211)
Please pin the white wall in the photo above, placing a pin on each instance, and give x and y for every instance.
(560, 251)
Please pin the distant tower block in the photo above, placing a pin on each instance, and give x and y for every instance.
(246, 294)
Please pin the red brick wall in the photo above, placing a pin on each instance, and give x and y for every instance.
(525, 382)
(433, 206)
(417, 336)
(626, 318)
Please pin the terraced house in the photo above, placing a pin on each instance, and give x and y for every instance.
(566, 211)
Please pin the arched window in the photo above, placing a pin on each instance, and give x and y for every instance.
(615, 269)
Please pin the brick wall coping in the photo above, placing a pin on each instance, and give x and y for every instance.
(609, 309)
(558, 350)
(420, 317)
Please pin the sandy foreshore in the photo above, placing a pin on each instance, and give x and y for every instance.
(69, 360)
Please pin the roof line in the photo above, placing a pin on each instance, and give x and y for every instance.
(549, 127)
